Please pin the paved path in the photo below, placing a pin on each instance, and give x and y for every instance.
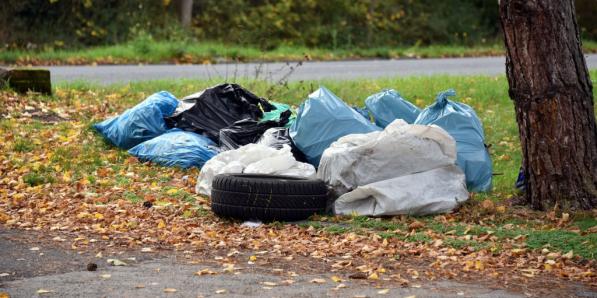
(274, 71)
(29, 267)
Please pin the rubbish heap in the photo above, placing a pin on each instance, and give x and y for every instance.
(387, 158)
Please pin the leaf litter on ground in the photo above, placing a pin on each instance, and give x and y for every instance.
(59, 176)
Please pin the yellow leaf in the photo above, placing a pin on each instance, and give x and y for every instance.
(98, 215)
(172, 191)
(479, 265)
(4, 295)
(4, 217)
(336, 279)
(161, 224)
(44, 291)
(252, 258)
(373, 276)
(66, 177)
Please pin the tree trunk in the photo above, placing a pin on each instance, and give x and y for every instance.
(184, 9)
(552, 94)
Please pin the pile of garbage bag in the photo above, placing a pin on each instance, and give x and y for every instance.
(389, 157)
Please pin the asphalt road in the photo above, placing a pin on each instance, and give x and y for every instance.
(109, 74)
(33, 268)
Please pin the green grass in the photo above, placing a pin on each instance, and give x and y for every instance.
(486, 94)
(211, 52)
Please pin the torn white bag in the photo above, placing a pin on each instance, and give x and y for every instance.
(435, 191)
(366, 165)
(252, 158)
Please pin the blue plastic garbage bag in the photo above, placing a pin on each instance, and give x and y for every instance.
(462, 123)
(141, 122)
(176, 148)
(322, 119)
(388, 105)
(363, 111)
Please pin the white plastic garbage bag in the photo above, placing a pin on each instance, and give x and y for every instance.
(400, 149)
(435, 191)
(252, 158)
(367, 166)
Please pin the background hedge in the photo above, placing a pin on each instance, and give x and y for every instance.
(264, 23)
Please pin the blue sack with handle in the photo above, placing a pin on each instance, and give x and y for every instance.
(141, 122)
(462, 123)
(176, 148)
(321, 120)
(388, 105)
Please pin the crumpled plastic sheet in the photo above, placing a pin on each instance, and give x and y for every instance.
(249, 131)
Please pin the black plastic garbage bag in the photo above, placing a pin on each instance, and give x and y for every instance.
(278, 137)
(217, 108)
(248, 131)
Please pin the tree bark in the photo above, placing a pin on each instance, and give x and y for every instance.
(184, 9)
(552, 93)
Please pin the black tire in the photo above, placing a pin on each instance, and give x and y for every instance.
(263, 214)
(267, 197)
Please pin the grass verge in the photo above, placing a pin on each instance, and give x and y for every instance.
(64, 155)
(210, 52)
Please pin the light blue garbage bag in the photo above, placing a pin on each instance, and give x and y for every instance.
(388, 105)
(321, 120)
(141, 122)
(176, 148)
(462, 123)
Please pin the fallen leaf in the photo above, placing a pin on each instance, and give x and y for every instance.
(373, 276)
(340, 286)
(4, 295)
(146, 249)
(105, 276)
(416, 225)
(205, 271)
(4, 274)
(170, 290)
(221, 291)
(34, 248)
(336, 279)
(488, 206)
(317, 281)
(139, 286)
(569, 254)
(383, 292)
(116, 262)
(269, 283)
(44, 291)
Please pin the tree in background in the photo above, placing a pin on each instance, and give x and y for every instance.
(552, 94)
(184, 10)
